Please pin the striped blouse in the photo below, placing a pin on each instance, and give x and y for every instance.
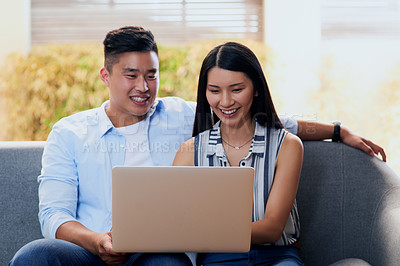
(262, 156)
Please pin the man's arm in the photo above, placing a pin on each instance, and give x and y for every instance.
(58, 199)
(312, 130)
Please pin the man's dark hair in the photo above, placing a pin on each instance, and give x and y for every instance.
(127, 39)
(235, 57)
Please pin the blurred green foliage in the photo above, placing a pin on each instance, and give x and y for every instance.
(57, 80)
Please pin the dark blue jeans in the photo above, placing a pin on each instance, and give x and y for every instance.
(258, 255)
(54, 252)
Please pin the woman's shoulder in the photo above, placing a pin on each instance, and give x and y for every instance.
(188, 145)
(292, 143)
(185, 154)
(291, 152)
(203, 137)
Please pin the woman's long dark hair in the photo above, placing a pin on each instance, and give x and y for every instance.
(235, 57)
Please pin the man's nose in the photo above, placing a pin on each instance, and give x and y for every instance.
(141, 84)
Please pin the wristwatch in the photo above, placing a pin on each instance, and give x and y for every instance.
(336, 131)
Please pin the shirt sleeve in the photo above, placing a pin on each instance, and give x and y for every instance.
(58, 184)
(289, 123)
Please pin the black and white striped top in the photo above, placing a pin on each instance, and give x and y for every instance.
(262, 156)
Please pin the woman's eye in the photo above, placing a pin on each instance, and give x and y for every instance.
(237, 90)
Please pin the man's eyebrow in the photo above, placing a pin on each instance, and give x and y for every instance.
(128, 69)
(152, 70)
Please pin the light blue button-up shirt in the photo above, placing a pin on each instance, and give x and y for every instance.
(75, 182)
(82, 149)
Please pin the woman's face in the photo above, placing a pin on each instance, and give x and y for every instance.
(230, 95)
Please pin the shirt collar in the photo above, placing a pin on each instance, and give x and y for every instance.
(105, 124)
(258, 145)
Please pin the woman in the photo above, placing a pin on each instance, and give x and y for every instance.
(236, 125)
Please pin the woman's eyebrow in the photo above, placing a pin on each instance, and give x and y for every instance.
(235, 84)
(230, 86)
(212, 85)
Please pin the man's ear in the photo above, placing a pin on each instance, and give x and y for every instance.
(104, 76)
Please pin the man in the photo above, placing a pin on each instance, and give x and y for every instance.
(132, 128)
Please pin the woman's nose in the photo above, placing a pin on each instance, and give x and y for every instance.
(226, 99)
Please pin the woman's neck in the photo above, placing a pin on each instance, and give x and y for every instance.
(238, 134)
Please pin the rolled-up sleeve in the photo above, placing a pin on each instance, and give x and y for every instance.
(58, 184)
(289, 123)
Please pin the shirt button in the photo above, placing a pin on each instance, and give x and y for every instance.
(243, 164)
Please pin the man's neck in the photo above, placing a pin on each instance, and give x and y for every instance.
(123, 120)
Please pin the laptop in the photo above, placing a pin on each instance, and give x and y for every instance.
(182, 209)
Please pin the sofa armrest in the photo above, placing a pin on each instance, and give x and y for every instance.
(349, 204)
(20, 164)
(385, 233)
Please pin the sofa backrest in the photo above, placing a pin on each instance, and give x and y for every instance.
(345, 201)
(20, 164)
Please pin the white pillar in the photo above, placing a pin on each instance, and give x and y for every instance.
(15, 20)
(293, 31)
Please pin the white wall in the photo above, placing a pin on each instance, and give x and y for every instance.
(293, 31)
(14, 27)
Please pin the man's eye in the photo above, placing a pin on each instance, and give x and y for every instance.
(151, 77)
(132, 76)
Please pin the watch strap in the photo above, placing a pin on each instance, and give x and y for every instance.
(336, 132)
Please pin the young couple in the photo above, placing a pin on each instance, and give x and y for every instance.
(235, 123)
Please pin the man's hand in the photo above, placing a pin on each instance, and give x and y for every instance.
(351, 139)
(105, 252)
(99, 244)
(312, 130)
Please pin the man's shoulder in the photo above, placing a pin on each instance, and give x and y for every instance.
(79, 119)
(175, 104)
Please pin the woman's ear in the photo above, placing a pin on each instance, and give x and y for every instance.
(104, 76)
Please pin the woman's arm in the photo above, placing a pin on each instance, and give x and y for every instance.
(312, 130)
(185, 155)
(282, 194)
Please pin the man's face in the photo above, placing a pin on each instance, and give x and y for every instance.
(133, 86)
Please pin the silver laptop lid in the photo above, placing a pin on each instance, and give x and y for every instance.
(182, 209)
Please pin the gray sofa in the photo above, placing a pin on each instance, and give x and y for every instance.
(349, 204)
